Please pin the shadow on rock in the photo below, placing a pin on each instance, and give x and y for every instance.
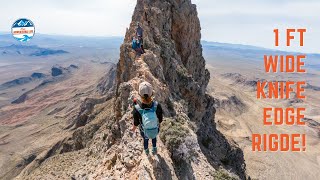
(184, 170)
(217, 149)
(161, 169)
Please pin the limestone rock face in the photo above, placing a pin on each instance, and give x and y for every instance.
(101, 144)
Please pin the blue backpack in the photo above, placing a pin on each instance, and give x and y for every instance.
(150, 125)
(135, 44)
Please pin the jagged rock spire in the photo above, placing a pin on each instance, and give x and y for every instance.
(174, 65)
(172, 38)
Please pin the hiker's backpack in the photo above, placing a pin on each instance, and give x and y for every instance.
(150, 125)
(134, 44)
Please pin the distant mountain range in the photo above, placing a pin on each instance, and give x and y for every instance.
(28, 50)
(50, 41)
(44, 40)
(44, 45)
(248, 53)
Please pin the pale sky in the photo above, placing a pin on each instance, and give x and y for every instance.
(248, 22)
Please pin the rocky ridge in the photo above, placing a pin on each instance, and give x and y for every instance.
(100, 144)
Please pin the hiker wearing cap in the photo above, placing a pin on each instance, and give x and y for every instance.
(139, 34)
(148, 115)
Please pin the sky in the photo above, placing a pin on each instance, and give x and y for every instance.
(249, 22)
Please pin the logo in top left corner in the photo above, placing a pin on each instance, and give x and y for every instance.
(23, 30)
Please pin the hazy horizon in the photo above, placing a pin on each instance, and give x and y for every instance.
(247, 22)
(205, 40)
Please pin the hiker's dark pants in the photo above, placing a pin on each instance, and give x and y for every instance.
(142, 47)
(146, 141)
(139, 51)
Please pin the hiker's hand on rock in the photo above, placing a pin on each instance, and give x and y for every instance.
(132, 132)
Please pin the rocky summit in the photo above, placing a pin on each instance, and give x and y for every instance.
(99, 143)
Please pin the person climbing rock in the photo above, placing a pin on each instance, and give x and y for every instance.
(139, 30)
(139, 34)
(136, 45)
(141, 44)
(148, 115)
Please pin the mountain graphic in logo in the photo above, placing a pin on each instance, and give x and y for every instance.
(24, 23)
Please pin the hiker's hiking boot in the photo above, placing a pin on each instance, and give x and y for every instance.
(154, 150)
(148, 155)
(147, 152)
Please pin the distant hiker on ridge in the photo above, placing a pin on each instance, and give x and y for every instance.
(147, 115)
(139, 30)
(139, 34)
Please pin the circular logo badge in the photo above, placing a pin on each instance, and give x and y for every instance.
(23, 29)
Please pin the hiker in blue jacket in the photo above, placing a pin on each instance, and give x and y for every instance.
(136, 45)
(148, 115)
